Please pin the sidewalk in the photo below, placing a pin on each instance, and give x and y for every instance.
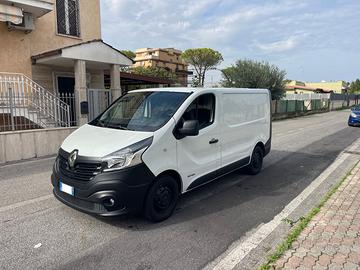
(332, 239)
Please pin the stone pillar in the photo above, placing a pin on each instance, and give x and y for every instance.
(115, 81)
(80, 90)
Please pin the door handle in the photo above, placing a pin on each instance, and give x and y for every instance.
(213, 140)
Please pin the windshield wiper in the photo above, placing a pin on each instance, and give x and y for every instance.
(117, 127)
(100, 123)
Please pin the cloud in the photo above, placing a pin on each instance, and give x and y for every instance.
(279, 31)
(279, 46)
(198, 7)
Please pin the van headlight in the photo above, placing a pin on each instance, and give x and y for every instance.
(353, 114)
(126, 157)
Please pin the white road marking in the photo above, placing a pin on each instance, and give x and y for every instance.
(26, 162)
(233, 256)
(24, 203)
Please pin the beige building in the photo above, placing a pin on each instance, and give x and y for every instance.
(299, 87)
(335, 86)
(52, 47)
(168, 58)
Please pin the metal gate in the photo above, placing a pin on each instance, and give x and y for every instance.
(98, 100)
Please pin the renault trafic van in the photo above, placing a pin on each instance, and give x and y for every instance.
(152, 145)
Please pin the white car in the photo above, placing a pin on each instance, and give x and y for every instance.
(152, 145)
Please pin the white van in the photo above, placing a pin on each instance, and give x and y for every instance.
(152, 145)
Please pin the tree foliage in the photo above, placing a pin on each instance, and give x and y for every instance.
(129, 54)
(156, 72)
(355, 86)
(255, 74)
(202, 59)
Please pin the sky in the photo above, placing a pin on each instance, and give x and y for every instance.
(312, 40)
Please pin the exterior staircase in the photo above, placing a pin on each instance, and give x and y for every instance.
(21, 97)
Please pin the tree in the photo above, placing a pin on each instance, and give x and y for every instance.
(202, 59)
(157, 72)
(129, 54)
(254, 74)
(355, 86)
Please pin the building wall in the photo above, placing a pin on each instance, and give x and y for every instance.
(17, 47)
(298, 91)
(46, 76)
(336, 86)
(164, 58)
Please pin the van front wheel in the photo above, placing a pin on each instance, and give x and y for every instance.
(256, 161)
(161, 199)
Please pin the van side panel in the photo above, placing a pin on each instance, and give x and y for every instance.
(246, 121)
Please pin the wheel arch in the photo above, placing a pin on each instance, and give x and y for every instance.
(262, 146)
(176, 176)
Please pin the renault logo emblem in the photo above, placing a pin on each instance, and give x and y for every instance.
(72, 158)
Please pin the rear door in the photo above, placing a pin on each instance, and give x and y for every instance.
(199, 156)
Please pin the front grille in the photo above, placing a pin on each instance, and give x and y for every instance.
(82, 170)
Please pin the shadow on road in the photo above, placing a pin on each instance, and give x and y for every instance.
(285, 175)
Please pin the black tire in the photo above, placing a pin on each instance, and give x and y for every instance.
(256, 161)
(161, 199)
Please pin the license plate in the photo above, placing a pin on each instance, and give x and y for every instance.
(67, 189)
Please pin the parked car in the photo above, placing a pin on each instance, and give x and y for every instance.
(152, 145)
(354, 117)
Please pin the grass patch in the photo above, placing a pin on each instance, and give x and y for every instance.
(303, 222)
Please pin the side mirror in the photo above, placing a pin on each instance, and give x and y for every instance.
(189, 128)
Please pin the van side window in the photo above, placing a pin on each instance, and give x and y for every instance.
(201, 109)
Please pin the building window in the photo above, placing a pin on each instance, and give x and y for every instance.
(67, 13)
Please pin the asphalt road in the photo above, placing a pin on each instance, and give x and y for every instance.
(206, 222)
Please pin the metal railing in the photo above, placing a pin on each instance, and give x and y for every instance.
(69, 99)
(25, 104)
(99, 100)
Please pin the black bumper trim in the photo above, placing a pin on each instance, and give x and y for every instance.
(86, 206)
(128, 187)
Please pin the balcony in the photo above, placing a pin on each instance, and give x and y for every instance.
(36, 7)
(183, 71)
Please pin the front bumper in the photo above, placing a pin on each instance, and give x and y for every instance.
(127, 187)
(354, 121)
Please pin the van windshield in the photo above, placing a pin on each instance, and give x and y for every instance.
(141, 111)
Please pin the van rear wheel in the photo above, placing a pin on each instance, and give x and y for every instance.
(161, 199)
(256, 161)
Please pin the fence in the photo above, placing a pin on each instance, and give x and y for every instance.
(21, 111)
(26, 105)
(99, 100)
(69, 99)
(308, 96)
(297, 104)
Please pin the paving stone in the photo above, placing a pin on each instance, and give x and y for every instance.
(339, 258)
(324, 260)
(319, 267)
(344, 249)
(350, 266)
(293, 262)
(354, 257)
(332, 239)
(335, 266)
(315, 251)
(309, 261)
(330, 250)
(301, 252)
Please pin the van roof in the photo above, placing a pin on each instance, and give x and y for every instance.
(200, 89)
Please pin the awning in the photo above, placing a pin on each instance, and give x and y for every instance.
(37, 8)
(11, 14)
(96, 53)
